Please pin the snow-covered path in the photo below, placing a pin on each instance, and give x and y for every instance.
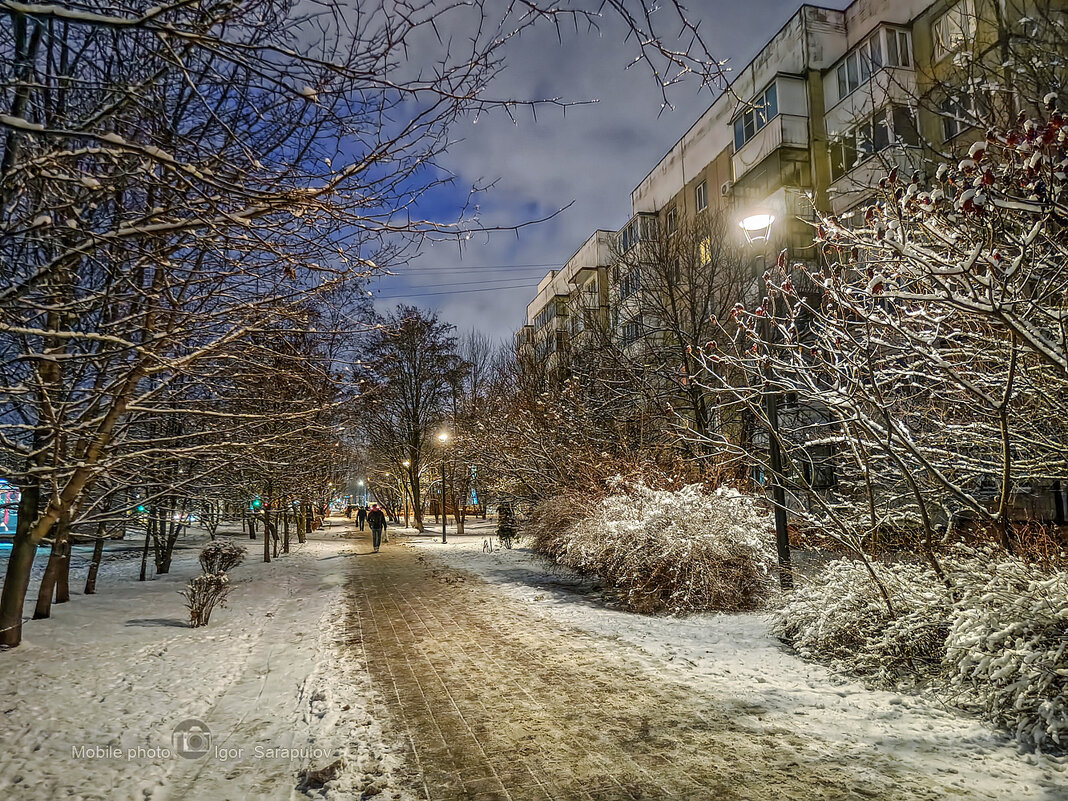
(444, 672)
(93, 695)
(511, 682)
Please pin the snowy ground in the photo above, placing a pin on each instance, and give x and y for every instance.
(733, 657)
(92, 697)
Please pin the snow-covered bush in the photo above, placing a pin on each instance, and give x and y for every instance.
(1008, 650)
(220, 556)
(841, 616)
(678, 551)
(995, 639)
(203, 594)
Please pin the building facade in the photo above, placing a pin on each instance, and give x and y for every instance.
(830, 104)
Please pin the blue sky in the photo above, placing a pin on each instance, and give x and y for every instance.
(587, 160)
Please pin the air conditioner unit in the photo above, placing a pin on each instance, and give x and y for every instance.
(725, 188)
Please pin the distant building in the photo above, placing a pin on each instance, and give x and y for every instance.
(569, 301)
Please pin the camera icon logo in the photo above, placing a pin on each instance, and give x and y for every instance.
(191, 739)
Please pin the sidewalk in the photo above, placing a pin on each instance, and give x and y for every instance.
(499, 699)
(92, 697)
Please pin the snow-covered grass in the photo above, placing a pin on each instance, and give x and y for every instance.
(735, 658)
(685, 550)
(93, 695)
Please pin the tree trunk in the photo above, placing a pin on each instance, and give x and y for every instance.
(266, 537)
(144, 553)
(94, 566)
(19, 566)
(417, 506)
(43, 609)
(285, 530)
(298, 517)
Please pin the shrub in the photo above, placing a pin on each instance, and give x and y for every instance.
(678, 551)
(840, 616)
(995, 639)
(220, 556)
(1008, 650)
(203, 594)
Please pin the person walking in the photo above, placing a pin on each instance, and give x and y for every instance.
(376, 519)
(361, 516)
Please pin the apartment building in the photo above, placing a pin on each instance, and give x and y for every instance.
(832, 102)
(569, 302)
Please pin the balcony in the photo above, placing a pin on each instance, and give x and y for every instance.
(785, 130)
(859, 184)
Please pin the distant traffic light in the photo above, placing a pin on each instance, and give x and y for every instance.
(142, 508)
(257, 503)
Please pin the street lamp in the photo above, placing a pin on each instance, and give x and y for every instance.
(757, 229)
(443, 438)
(363, 493)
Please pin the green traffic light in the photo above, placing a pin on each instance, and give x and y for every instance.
(141, 508)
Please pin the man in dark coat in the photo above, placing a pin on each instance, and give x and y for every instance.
(361, 516)
(376, 519)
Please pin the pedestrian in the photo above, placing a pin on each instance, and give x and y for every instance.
(376, 519)
(361, 516)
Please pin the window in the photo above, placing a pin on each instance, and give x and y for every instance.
(632, 330)
(641, 229)
(868, 58)
(951, 30)
(898, 48)
(671, 220)
(895, 125)
(954, 114)
(700, 195)
(754, 118)
(630, 283)
(705, 250)
(545, 316)
(905, 129)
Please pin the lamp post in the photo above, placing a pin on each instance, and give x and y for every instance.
(404, 490)
(757, 229)
(363, 493)
(443, 438)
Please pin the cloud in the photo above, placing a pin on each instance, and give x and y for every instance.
(587, 158)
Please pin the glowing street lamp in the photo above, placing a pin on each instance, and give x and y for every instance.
(757, 227)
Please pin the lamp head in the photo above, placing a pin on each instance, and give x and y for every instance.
(757, 227)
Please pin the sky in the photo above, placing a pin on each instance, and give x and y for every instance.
(580, 165)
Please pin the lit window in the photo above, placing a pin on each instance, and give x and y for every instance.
(705, 250)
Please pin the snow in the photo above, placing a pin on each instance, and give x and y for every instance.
(92, 696)
(734, 657)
